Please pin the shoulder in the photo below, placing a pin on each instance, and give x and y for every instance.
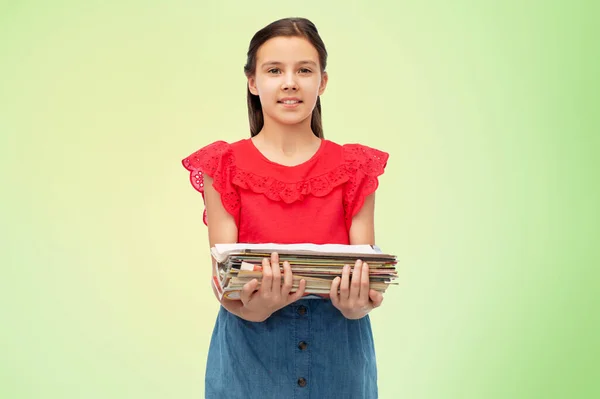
(363, 165)
(215, 152)
(219, 147)
(216, 161)
(356, 155)
(361, 152)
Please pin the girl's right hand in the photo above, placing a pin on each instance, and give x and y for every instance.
(272, 295)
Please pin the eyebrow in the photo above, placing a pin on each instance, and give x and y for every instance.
(281, 63)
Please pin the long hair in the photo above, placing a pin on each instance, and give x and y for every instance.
(289, 27)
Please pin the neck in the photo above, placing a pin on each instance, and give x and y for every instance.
(287, 138)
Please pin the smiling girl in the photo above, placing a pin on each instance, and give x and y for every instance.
(287, 184)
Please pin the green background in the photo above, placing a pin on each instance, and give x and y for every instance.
(490, 198)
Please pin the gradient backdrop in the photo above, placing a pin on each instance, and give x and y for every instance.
(490, 198)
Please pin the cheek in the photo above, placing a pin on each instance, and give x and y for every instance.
(266, 87)
(313, 86)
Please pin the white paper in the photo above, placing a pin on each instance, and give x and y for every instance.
(221, 251)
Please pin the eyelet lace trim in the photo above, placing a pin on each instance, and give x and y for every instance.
(217, 161)
(360, 170)
(363, 165)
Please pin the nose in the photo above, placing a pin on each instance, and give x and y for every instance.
(289, 83)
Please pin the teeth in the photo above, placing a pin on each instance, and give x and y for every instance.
(290, 102)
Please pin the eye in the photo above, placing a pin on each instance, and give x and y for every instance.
(274, 71)
(305, 70)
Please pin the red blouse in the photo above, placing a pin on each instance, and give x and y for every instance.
(313, 202)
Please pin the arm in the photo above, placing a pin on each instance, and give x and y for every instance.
(222, 230)
(362, 230)
(257, 303)
(355, 299)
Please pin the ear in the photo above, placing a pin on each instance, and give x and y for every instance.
(252, 85)
(324, 80)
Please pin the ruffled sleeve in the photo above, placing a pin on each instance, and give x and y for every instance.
(364, 165)
(217, 161)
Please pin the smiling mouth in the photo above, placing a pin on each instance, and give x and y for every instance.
(289, 102)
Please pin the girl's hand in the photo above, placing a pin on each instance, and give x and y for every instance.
(355, 299)
(272, 295)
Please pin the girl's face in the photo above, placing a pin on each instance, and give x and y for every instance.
(288, 79)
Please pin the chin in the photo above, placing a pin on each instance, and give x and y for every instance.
(292, 120)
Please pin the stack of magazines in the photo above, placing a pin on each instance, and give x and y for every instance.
(318, 264)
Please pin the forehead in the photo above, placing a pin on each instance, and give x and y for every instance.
(287, 50)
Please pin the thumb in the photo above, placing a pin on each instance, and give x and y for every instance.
(247, 291)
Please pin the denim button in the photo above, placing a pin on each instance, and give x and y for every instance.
(302, 310)
(302, 382)
(302, 345)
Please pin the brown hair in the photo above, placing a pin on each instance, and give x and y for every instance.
(289, 27)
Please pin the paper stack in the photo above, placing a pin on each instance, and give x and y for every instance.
(237, 264)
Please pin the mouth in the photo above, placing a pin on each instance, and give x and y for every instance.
(290, 101)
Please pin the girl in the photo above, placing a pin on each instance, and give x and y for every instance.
(287, 184)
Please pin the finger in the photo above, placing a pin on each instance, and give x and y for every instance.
(376, 298)
(345, 284)
(288, 279)
(364, 283)
(356, 277)
(298, 294)
(247, 291)
(276, 272)
(267, 279)
(333, 291)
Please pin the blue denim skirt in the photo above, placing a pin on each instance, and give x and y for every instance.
(306, 350)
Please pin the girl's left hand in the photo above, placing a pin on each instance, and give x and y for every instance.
(355, 299)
